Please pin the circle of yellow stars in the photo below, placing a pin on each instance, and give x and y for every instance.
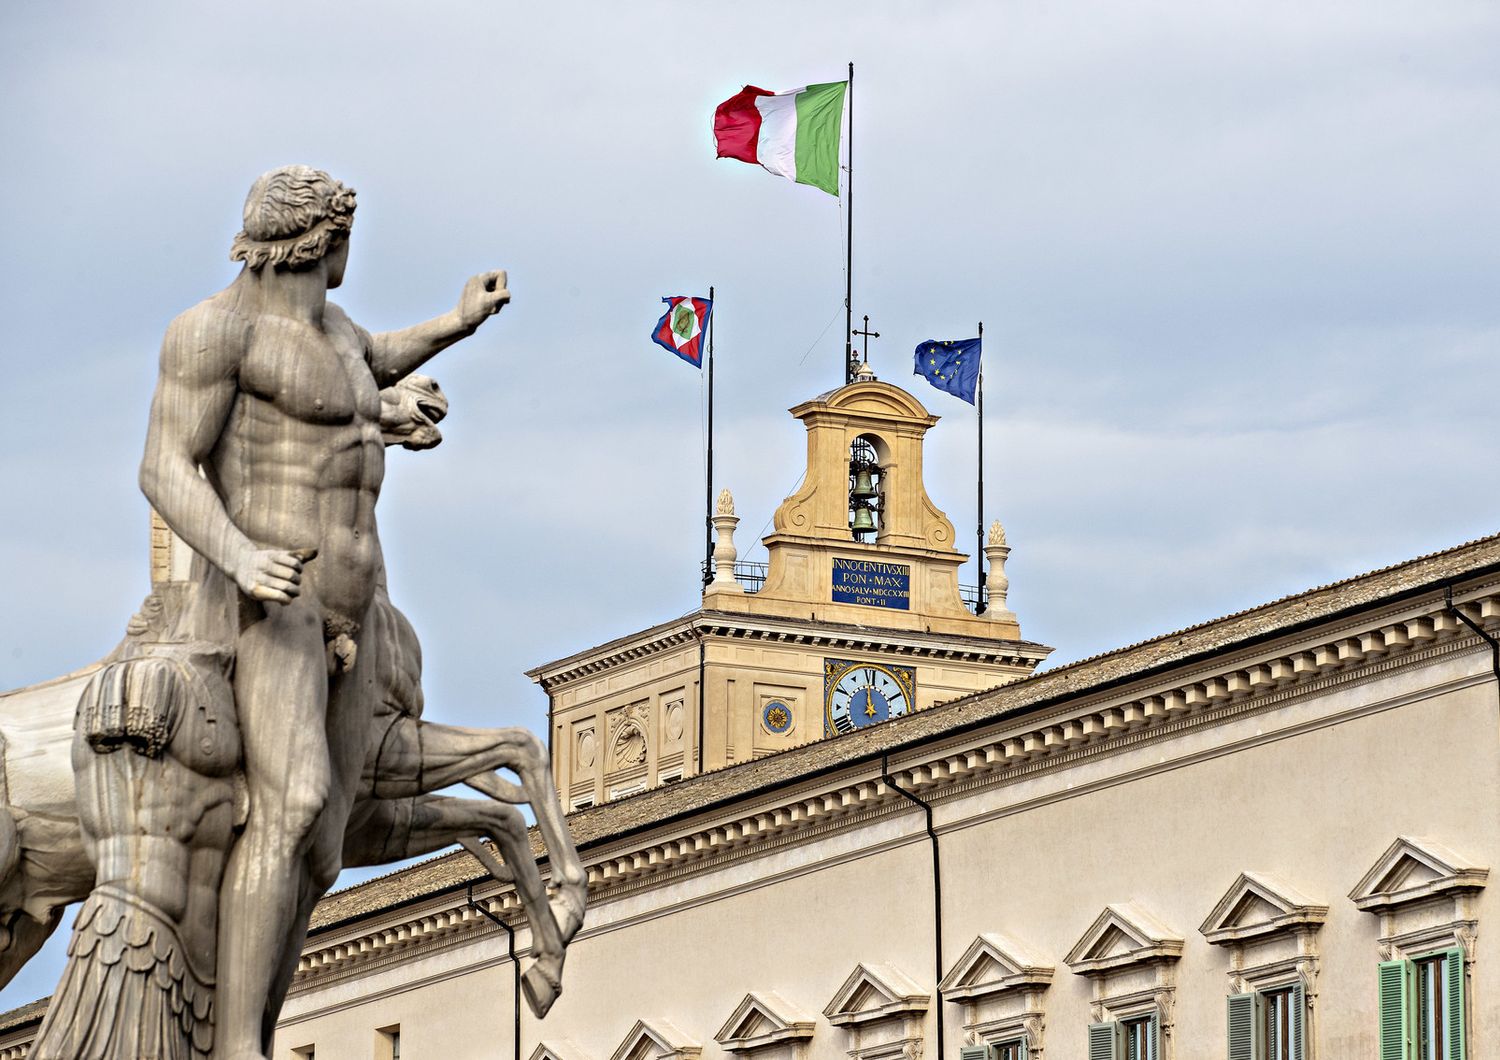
(932, 362)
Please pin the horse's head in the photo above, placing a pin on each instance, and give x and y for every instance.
(410, 412)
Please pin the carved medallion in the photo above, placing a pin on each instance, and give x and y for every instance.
(776, 716)
(629, 747)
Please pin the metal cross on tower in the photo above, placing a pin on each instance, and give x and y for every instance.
(868, 335)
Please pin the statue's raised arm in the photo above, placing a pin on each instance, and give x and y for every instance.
(395, 354)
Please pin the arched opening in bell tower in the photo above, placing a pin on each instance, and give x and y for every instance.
(866, 493)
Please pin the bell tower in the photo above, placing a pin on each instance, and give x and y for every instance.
(857, 617)
(861, 542)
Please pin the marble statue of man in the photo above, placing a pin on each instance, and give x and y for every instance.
(273, 393)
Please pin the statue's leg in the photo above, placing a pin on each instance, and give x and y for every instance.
(350, 711)
(281, 698)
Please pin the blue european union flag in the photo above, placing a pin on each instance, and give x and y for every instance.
(951, 365)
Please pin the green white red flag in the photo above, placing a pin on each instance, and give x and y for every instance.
(794, 134)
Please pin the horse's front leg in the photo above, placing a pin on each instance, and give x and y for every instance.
(394, 829)
(527, 759)
(415, 757)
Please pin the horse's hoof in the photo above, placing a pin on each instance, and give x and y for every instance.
(541, 990)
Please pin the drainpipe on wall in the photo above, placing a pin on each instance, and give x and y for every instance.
(702, 667)
(551, 721)
(515, 965)
(1466, 620)
(937, 898)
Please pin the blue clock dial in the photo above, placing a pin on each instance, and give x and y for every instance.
(861, 694)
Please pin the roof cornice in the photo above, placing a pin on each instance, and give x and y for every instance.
(703, 624)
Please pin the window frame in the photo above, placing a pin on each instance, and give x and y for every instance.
(1016, 1042)
(1278, 1025)
(1256, 1045)
(1400, 1008)
(1142, 1034)
(1121, 1025)
(1445, 966)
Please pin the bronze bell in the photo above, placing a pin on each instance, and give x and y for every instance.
(864, 488)
(863, 522)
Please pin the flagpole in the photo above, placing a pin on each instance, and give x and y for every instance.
(708, 499)
(979, 550)
(849, 245)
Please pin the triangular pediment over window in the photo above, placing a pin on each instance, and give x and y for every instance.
(559, 1049)
(656, 1039)
(993, 964)
(875, 992)
(1412, 870)
(763, 1019)
(1257, 906)
(1121, 936)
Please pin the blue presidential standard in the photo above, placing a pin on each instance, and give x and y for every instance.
(857, 694)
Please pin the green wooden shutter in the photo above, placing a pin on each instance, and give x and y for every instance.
(1395, 1010)
(1244, 1022)
(982, 1051)
(1453, 969)
(1299, 1021)
(1153, 1038)
(1104, 1041)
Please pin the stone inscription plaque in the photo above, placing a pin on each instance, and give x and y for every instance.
(871, 583)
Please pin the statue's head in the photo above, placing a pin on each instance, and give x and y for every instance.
(294, 216)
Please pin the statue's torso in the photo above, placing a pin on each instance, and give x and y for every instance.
(159, 826)
(301, 459)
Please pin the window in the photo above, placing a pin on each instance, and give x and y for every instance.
(1140, 1038)
(1136, 1038)
(1007, 1049)
(388, 1042)
(1276, 1029)
(1268, 1024)
(304, 1053)
(1422, 1008)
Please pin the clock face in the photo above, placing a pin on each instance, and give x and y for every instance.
(862, 693)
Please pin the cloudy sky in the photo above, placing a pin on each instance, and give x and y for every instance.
(1236, 265)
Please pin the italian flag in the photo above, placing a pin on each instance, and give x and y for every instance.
(794, 134)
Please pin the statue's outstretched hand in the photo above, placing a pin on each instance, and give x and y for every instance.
(482, 298)
(272, 574)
